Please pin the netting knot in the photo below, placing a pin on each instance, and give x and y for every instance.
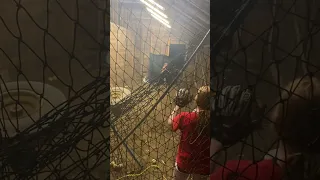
(19, 6)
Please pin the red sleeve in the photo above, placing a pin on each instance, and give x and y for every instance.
(176, 122)
(223, 173)
(263, 170)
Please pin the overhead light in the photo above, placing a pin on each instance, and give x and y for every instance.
(152, 12)
(155, 9)
(160, 20)
(156, 4)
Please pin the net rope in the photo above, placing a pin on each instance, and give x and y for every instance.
(268, 57)
(54, 55)
(140, 138)
(54, 89)
(242, 54)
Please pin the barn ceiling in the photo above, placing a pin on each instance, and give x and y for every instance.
(188, 18)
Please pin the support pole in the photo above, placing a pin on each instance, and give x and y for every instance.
(126, 146)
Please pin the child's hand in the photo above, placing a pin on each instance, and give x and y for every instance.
(173, 114)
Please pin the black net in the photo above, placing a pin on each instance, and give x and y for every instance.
(54, 89)
(266, 46)
(155, 49)
(55, 85)
(263, 45)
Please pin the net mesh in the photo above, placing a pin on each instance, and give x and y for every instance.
(268, 48)
(54, 63)
(142, 146)
(262, 44)
(54, 89)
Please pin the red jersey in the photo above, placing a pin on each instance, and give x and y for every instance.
(247, 170)
(194, 148)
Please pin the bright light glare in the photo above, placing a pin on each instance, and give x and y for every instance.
(155, 9)
(160, 20)
(158, 5)
(159, 17)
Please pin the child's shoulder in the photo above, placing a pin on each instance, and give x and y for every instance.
(190, 115)
(186, 118)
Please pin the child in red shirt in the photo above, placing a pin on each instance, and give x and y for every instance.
(193, 157)
(297, 123)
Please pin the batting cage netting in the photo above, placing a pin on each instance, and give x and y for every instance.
(54, 89)
(271, 48)
(160, 47)
(156, 48)
(61, 120)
